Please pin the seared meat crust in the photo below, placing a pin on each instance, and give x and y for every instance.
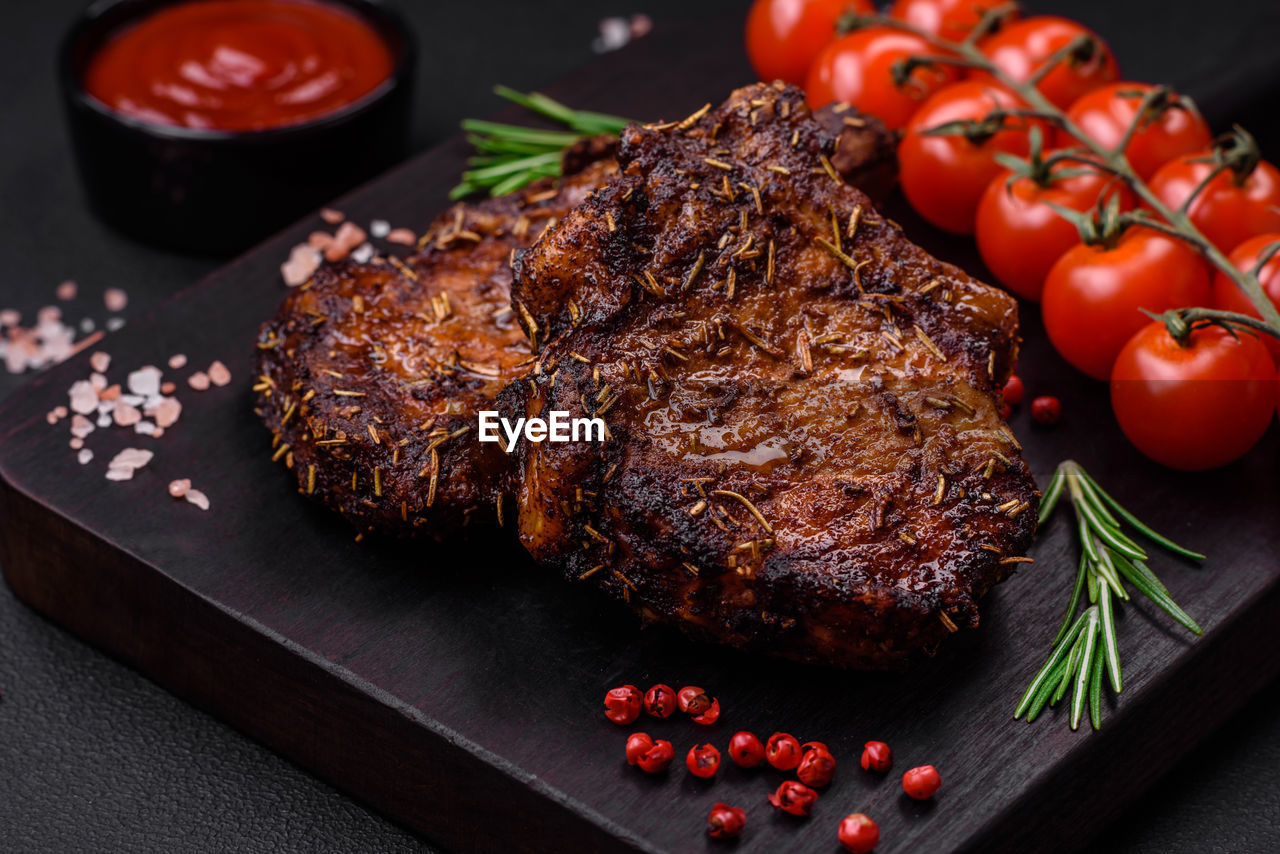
(806, 455)
(372, 374)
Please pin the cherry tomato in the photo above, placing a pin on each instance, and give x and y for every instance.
(1245, 257)
(1021, 49)
(784, 36)
(950, 19)
(1020, 237)
(858, 834)
(1107, 112)
(944, 176)
(1092, 296)
(858, 68)
(1226, 212)
(1193, 407)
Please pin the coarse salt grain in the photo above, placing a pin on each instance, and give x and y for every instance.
(10, 317)
(197, 498)
(168, 387)
(178, 361)
(66, 291)
(167, 412)
(100, 361)
(126, 415)
(145, 381)
(115, 299)
(199, 381)
(84, 398)
(84, 456)
(178, 488)
(348, 237)
(303, 261)
(76, 443)
(379, 228)
(80, 426)
(362, 253)
(145, 428)
(403, 236)
(219, 375)
(332, 216)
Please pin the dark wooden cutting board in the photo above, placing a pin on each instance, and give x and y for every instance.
(457, 687)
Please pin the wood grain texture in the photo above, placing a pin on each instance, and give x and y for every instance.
(457, 687)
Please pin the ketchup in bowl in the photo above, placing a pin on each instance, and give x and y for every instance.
(239, 65)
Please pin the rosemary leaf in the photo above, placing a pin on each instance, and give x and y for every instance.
(1057, 657)
(1095, 690)
(1078, 697)
(1138, 524)
(1075, 601)
(1161, 598)
(1052, 493)
(1109, 643)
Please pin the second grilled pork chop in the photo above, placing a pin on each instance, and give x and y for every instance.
(371, 375)
(806, 455)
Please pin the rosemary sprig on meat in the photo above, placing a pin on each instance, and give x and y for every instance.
(1086, 649)
(510, 156)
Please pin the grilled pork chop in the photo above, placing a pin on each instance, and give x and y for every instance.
(805, 452)
(372, 374)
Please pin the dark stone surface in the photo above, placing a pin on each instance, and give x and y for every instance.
(95, 757)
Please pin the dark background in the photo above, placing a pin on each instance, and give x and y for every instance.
(94, 757)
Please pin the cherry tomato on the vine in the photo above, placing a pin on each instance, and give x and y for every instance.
(1229, 210)
(1093, 294)
(1194, 407)
(953, 20)
(1228, 297)
(1020, 237)
(1022, 49)
(784, 36)
(858, 68)
(1107, 112)
(944, 176)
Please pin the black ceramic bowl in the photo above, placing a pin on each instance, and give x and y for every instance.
(220, 191)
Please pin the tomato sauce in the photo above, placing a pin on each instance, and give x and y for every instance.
(239, 65)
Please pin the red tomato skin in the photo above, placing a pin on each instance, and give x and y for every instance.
(784, 36)
(944, 177)
(1020, 238)
(858, 69)
(1228, 297)
(1225, 213)
(1193, 408)
(950, 19)
(1105, 113)
(1093, 294)
(1020, 49)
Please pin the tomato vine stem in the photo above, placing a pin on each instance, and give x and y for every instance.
(966, 54)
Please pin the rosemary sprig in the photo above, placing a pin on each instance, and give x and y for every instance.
(1085, 648)
(510, 156)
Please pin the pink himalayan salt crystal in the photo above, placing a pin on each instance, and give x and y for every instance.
(168, 387)
(66, 291)
(178, 361)
(167, 412)
(100, 361)
(219, 375)
(10, 317)
(348, 237)
(319, 240)
(76, 443)
(332, 216)
(198, 381)
(126, 415)
(81, 426)
(178, 488)
(198, 498)
(84, 398)
(403, 236)
(115, 299)
(303, 261)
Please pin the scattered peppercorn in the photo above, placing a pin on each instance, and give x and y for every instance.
(692, 700)
(1046, 410)
(638, 744)
(703, 760)
(1013, 390)
(817, 766)
(794, 798)
(657, 757)
(746, 750)
(782, 751)
(725, 821)
(922, 783)
(858, 833)
(622, 704)
(660, 701)
(710, 716)
(876, 756)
